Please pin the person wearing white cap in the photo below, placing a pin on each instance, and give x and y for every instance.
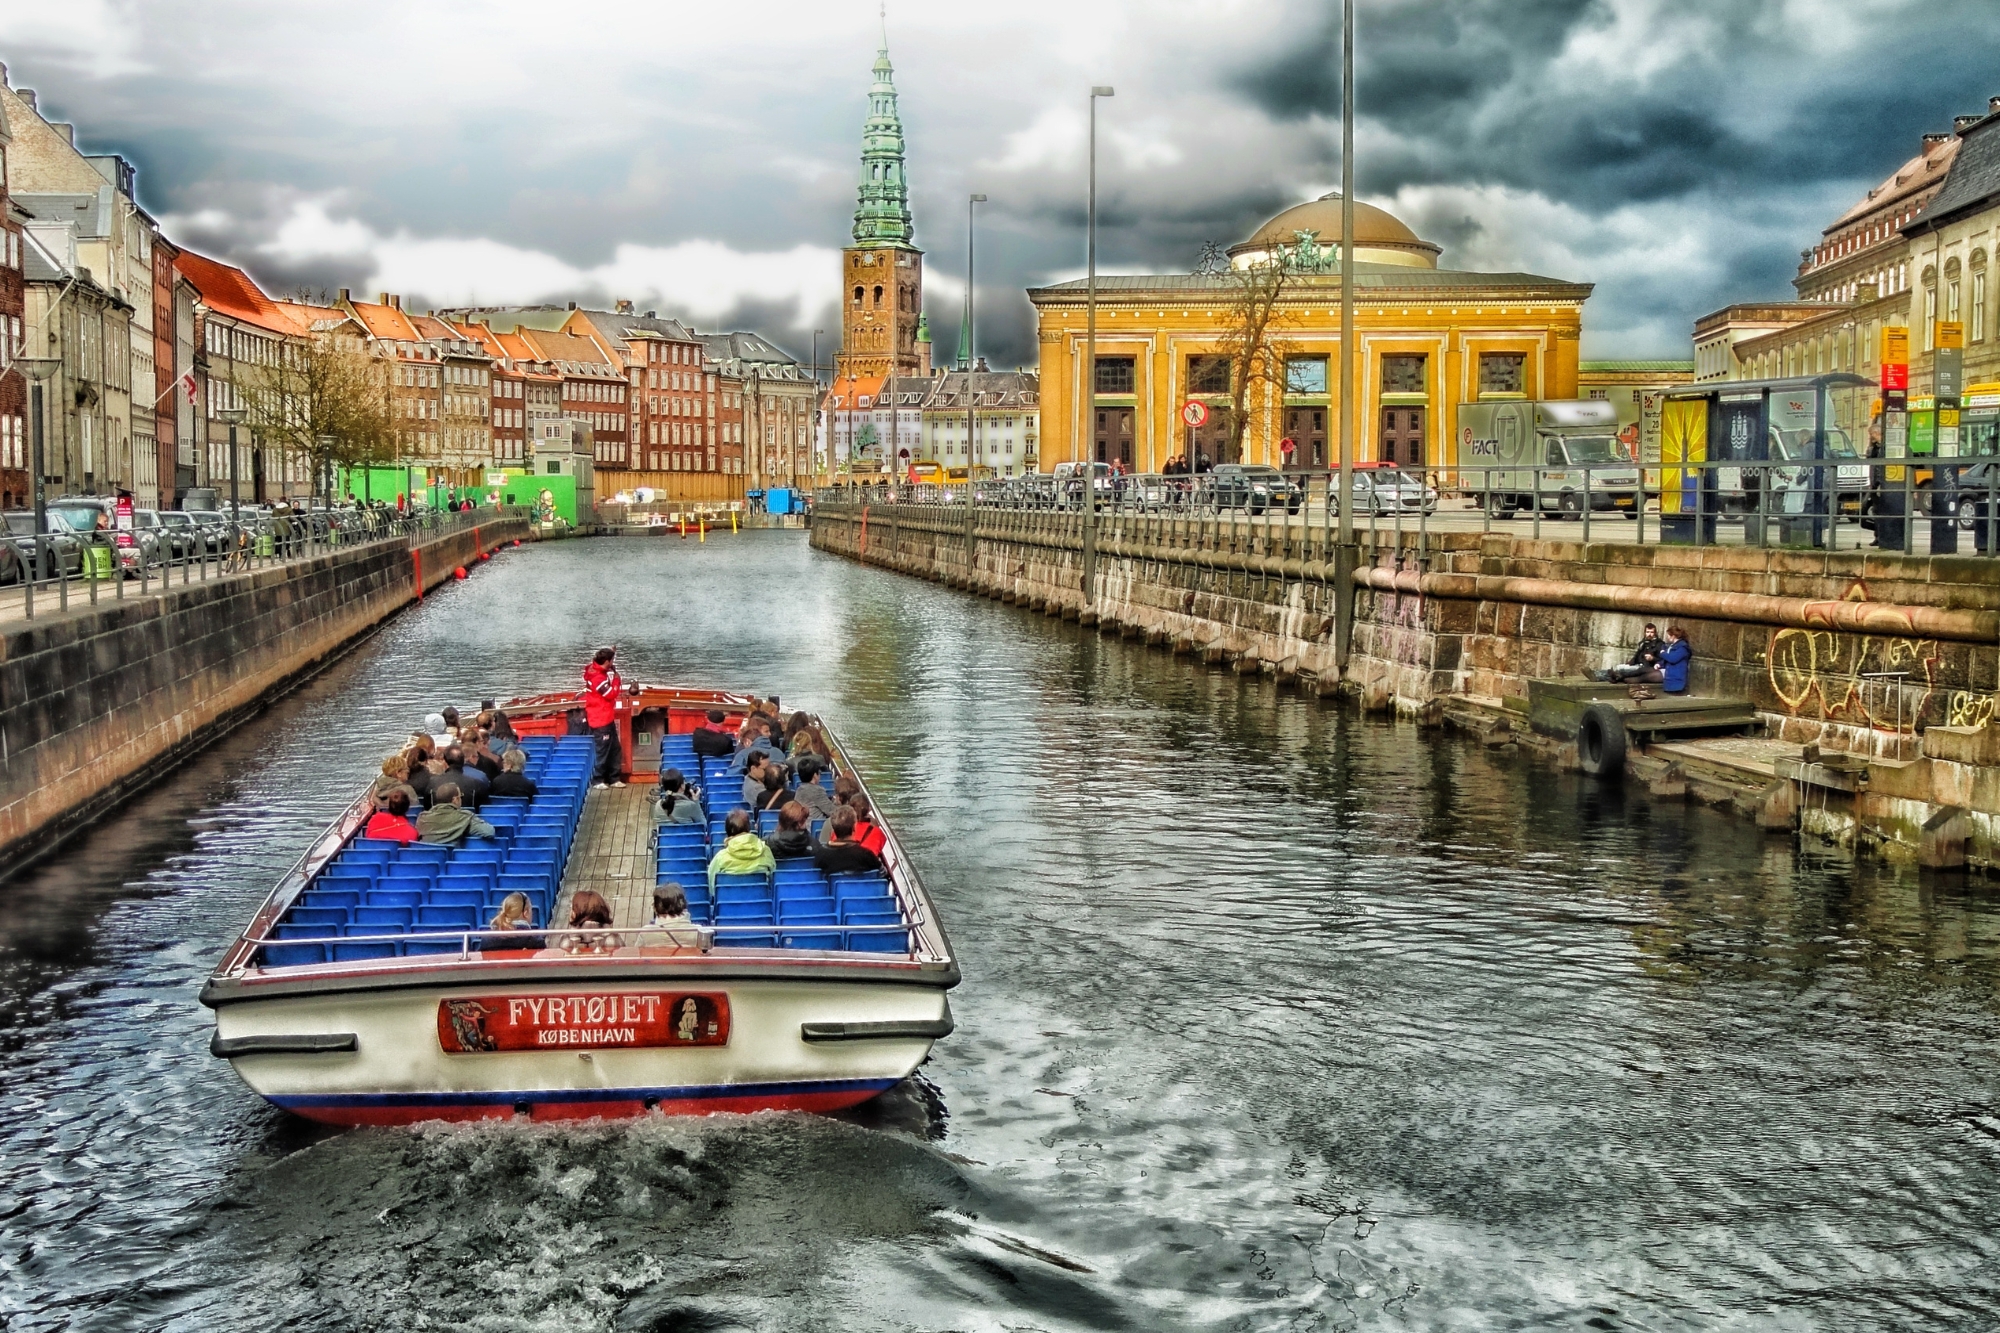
(435, 725)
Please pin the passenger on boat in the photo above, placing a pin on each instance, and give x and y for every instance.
(797, 735)
(815, 798)
(448, 822)
(866, 831)
(601, 687)
(845, 788)
(470, 780)
(713, 740)
(791, 838)
(670, 913)
(513, 779)
(744, 853)
(515, 913)
(842, 854)
(395, 776)
(777, 792)
(424, 776)
(392, 822)
(435, 728)
(472, 739)
(452, 726)
(589, 913)
(753, 781)
(763, 741)
(501, 737)
(677, 802)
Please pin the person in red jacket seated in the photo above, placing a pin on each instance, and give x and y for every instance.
(865, 830)
(601, 687)
(393, 823)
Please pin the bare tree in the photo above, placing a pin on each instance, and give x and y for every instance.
(1256, 315)
(324, 399)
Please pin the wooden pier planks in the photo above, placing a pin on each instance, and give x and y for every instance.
(613, 855)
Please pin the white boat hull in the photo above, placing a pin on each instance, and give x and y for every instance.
(790, 1045)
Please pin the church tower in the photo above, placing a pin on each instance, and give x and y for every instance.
(882, 296)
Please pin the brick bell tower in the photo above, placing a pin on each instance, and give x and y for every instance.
(882, 292)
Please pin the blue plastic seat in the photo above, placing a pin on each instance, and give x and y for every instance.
(513, 881)
(447, 917)
(743, 893)
(307, 930)
(374, 845)
(860, 886)
(729, 913)
(329, 898)
(882, 941)
(354, 951)
(293, 955)
(473, 898)
(394, 898)
(317, 916)
(761, 881)
(807, 911)
(435, 946)
(388, 919)
(817, 939)
(476, 885)
(869, 911)
(346, 883)
(404, 883)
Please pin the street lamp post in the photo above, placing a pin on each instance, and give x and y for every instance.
(1090, 369)
(38, 370)
(234, 416)
(971, 364)
(1344, 553)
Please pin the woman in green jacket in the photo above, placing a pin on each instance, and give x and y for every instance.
(743, 853)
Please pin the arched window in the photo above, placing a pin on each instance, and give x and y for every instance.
(878, 298)
(857, 296)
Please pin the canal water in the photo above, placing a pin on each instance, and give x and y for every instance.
(1273, 1018)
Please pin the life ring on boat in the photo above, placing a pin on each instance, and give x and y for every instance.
(1600, 742)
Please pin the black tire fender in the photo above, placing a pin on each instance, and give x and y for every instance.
(1600, 742)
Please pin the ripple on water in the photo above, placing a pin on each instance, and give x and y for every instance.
(1274, 1019)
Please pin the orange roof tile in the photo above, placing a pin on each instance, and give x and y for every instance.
(385, 321)
(230, 291)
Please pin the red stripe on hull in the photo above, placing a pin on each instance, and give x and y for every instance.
(560, 1110)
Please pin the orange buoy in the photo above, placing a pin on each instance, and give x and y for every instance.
(517, 541)
(458, 573)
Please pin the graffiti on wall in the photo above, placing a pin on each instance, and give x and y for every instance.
(1885, 682)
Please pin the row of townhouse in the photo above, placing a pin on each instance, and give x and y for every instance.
(1915, 253)
(152, 346)
(988, 418)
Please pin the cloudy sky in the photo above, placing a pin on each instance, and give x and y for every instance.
(701, 158)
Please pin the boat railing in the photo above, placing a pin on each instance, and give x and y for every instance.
(592, 939)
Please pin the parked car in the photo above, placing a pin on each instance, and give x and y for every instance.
(62, 541)
(1151, 492)
(190, 537)
(1254, 486)
(147, 543)
(1383, 491)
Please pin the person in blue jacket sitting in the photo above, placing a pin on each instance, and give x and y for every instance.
(1674, 661)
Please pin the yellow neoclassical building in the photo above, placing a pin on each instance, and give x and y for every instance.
(1429, 339)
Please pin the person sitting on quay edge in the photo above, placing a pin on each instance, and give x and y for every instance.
(841, 854)
(743, 852)
(513, 779)
(1645, 663)
(448, 823)
(819, 803)
(1674, 661)
(471, 782)
(392, 822)
(713, 740)
(677, 802)
(790, 838)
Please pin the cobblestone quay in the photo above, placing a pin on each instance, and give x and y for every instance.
(1892, 659)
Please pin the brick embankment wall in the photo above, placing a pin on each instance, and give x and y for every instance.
(1814, 639)
(97, 699)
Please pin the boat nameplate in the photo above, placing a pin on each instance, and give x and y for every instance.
(582, 1020)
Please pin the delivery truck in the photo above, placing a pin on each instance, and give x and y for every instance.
(1513, 455)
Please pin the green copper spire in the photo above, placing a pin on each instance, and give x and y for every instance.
(923, 327)
(965, 335)
(883, 219)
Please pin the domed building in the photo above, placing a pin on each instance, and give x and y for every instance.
(1429, 338)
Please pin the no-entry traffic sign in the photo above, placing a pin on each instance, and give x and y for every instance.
(1194, 413)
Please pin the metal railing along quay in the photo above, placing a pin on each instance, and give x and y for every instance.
(116, 565)
(1918, 508)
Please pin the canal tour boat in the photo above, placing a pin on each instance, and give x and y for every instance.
(366, 990)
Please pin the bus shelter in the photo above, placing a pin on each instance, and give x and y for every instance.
(1783, 457)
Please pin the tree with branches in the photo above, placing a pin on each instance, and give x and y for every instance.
(324, 399)
(1251, 339)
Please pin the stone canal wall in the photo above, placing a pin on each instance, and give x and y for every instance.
(1891, 660)
(99, 700)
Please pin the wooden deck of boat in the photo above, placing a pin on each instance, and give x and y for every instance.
(613, 854)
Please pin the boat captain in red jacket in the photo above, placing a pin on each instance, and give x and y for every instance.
(601, 687)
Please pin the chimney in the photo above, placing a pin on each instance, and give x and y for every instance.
(1933, 139)
(1992, 103)
(28, 96)
(3, 75)
(624, 307)
(381, 298)
(572, 305)
(650, 314)
(343, 297)
(67, 131)
(1959, 123)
